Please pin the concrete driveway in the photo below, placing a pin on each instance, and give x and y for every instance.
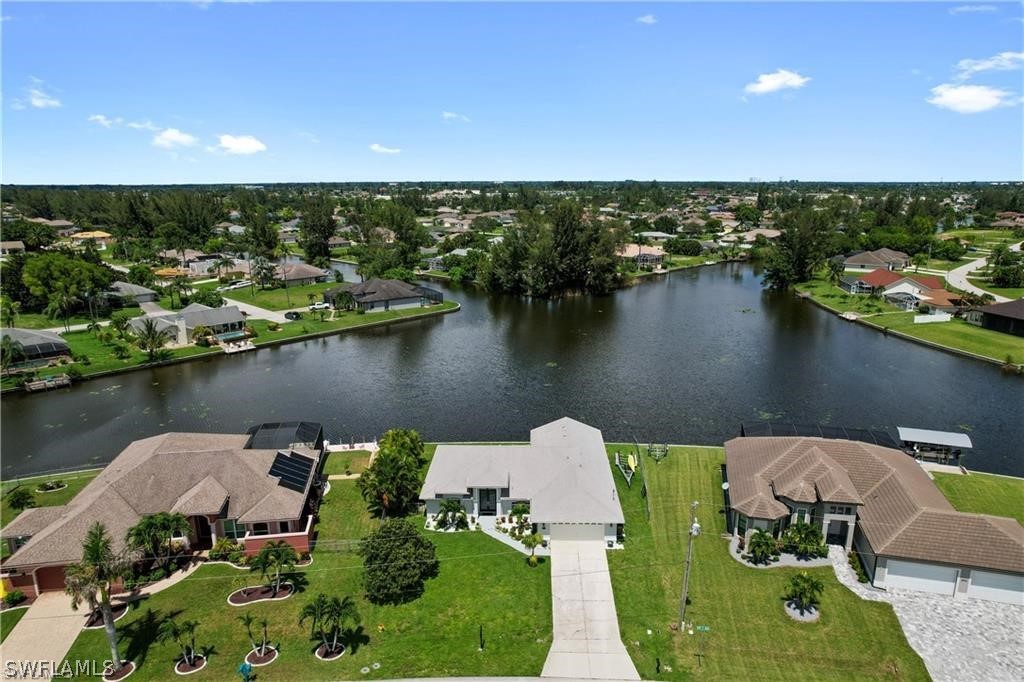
(586, 642)
(255, 312)
(46, 632)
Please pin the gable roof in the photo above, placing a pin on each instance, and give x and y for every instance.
(191, 473)
(902, 513)
(292, 271)
(564, 472)
(129, 289)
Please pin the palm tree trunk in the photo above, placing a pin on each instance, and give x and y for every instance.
(110, 630)
(277, 579)
(334, 641)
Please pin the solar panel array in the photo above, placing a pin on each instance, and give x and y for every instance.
(292, 470)
(873, 436)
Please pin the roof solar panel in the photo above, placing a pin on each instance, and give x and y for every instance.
(292, 470)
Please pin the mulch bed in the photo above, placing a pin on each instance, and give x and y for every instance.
(127, 668)
(96, 617)
(321, 653)
(254, 657)
(183, 668)
(51, 490)
(248, 595)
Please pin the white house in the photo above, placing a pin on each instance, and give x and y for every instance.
(563, 474)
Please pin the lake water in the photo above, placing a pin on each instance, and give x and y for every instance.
(684, 358)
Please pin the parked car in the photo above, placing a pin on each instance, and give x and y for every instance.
(234, 284)
(320, 305)
(292, 315)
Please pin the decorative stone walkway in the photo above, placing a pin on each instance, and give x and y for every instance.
(960, 640)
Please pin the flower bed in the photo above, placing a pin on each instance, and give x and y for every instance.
(255, 658)
(96, 617)
(250, 595)
(182, 667)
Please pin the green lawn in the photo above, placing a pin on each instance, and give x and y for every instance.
(958, 334)
(940, 264)
(984, 494)
(311, 324)
(8, 619)
(280, 299)
(481, 583)
(751, 638)
(1009, 292)
(985, 238)
(41, 321)
(101, 356)
(75, 480)
(346, 461)
(827, 293)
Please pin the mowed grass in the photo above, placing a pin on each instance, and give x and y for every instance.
(1009, 292)
(8, 619)
(958, 334)
(75, 482)
(346, 461)
(751, 638)
(481, 583)
(829, 294)
(311, 323)
(280, 299)
(984, 494)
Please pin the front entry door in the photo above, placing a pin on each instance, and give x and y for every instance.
(488, 501)
(203, 533)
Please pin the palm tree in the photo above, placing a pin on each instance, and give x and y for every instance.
(247, 620)
(835, 271)
(272, 558)
(178, 285)
(150, 338)
(200, 332)
(9, 311)
(339, 612)
(90, 580)
(153, 533)
(918, 259)
(804, 590)
(60, 305)
(316, 611)
(224, 263)
(11, 352)
(93, 327)
(531, 542)
(263, 642)
(761, 547)
(184, 635)
(121, 324)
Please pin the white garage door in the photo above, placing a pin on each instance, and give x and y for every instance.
(1008, 589)
(577, 531)
(924, 577)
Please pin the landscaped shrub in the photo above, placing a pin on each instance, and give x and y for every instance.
(14, 597)
(223, 548)
(74, 372)
(857, 566)
(520, 509)
(804, 540)
(273, 326)
(51, 485)
(397, 561)
(452, 516)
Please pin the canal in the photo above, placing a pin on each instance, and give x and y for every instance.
(682, 359)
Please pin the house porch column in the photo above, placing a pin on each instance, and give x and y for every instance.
(850, 526)
(213, 530)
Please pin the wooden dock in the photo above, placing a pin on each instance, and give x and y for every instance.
(59, 381)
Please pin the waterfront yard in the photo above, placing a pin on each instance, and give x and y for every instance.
(984, 493)
(481, 583)
(984, 283)
(311, 323)
(280, 299)
(750, 636)
(346, 462)
(75, 482)
(958, 334)
(832, 296)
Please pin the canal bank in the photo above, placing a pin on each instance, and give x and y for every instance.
(684, 358)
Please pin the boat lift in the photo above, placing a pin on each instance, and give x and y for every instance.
(943, 447)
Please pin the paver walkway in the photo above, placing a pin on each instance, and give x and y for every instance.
(586, 642)
(960, 640)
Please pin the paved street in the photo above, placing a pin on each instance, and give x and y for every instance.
(958, 276)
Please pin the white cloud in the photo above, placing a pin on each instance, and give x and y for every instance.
(973, 9)
(240, 144)
(381, 149)
(969, 99)
(452, 116)
(648, 19)
(143, 125)
(102, 120)
(781, 79)
(309, 137)
(172, 137)
(1004, 61)
(36, 97)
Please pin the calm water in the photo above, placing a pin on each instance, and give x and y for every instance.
(683, 359)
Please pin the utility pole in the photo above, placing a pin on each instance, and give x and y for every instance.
(694, 530)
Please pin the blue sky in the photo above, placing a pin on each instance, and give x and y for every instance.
(264, 92)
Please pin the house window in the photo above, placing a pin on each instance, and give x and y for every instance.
(801, 515)
(285, 528)
(776, 528)
(832, 509)
(741, 524)
(260, 529)
(233, 530)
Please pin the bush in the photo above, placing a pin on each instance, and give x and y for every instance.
(397, 561)
(273, 326)
(520, 509)
(20, 498)
(858, 567)
(51, 485)
(14, 597)
(223, 548)
(74, 372)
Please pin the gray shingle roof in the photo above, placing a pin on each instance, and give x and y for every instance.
(375, 290)
(129, 289)
(564, 472)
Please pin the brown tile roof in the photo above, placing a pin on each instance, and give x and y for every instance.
(192, 473)
(903, 514)
(1014, 309)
